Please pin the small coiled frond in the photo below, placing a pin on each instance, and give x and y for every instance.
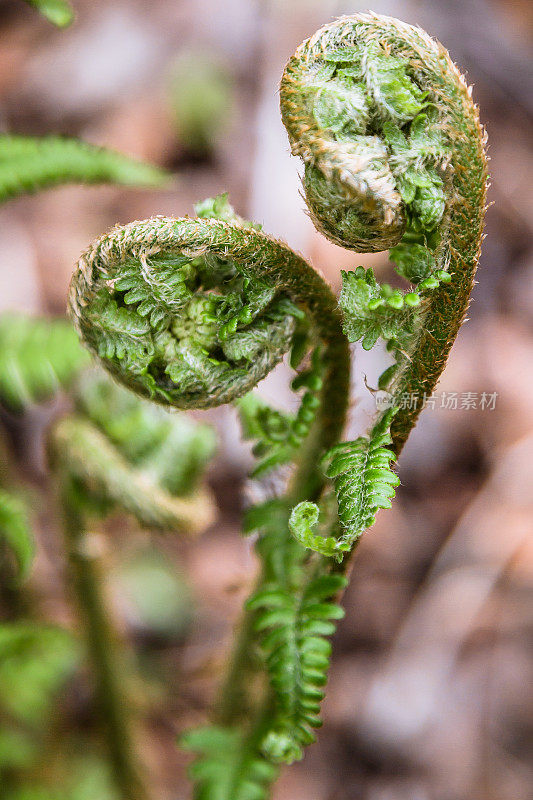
(194, 312)
(117, 449)
(304, 519)
(29, 164)
(294, 625)
(363, 481)
(228, 766)
(346, 95)
(373, 310)
(37, 358)
(15, 530)
(58, 12)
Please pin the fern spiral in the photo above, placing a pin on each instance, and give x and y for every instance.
(193, 313)
(394, 158)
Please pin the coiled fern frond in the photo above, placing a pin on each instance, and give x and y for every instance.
(394, 158)
(37, 358)
(118, 449)
(29, 164)
(194, 312)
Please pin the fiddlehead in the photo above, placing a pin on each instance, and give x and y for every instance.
(394, 158)
(195, 312)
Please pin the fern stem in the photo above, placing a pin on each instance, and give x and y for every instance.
(234, 702)
(104, 650)
(307, 482)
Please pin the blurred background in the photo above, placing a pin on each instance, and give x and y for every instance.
(428, 695)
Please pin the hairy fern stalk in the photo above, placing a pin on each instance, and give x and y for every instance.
(192, 313)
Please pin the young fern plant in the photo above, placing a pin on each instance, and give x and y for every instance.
(194, 312)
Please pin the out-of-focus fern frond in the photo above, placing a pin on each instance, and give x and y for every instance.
(58, 12)
(15, 530)
(122, 451)
(29, 164)
(148, 436)
(34, 662)
(85, 777)
(37, 358)
(228, 766)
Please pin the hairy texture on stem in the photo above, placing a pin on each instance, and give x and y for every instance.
(394, 157)
(194, 312)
